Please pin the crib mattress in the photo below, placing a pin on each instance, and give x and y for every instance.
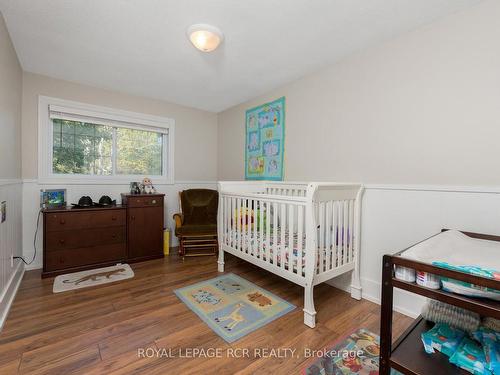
(258, 247)
(456, 248)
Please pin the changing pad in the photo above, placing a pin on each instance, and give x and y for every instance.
(456, 248)
(457, 251)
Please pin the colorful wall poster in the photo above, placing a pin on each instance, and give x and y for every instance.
(265, 141)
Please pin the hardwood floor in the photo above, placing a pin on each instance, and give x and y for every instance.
(99, 330)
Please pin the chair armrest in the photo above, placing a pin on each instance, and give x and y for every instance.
(179, 219)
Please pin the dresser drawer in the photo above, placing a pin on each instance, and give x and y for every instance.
(62, 259)
(60, 221)
(145, 201)
(73, 239)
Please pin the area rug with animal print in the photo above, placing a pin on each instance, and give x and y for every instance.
(356, 353)
(232, 306)
(94, 277)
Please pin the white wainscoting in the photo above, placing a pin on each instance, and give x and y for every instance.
(31, 206)
(10, 244)
(395, 217)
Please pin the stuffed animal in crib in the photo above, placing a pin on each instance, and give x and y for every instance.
(147, 186)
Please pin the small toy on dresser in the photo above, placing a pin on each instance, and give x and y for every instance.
(147, 186)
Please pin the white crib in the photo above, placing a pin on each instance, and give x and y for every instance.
(307, 233)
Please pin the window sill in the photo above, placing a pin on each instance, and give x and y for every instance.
(112, 180)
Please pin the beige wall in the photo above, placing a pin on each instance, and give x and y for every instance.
(10, 107)
(421, 109)
(10, 170)
(195, 130)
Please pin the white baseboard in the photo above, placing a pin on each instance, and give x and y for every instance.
(10, 292)
(406, 303)
(34, 266)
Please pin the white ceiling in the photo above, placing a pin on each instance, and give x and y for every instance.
(140, 46)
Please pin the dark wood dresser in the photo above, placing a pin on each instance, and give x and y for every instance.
(77, 239)
(145, 225)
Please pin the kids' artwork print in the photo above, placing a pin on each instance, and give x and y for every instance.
(265, 140)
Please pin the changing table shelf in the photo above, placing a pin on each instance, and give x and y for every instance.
(478, 305)
(407, 354)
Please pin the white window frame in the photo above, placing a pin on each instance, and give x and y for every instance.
(140, 121)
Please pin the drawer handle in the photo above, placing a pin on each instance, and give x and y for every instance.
(132, 217)
(62, 221)
(62, 242)
(153, 201)
(113, 236)
(113, 218)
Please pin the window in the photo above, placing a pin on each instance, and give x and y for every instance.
(95, 144)
(81, 148)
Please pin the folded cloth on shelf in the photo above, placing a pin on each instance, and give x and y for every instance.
(470, 357)
(440, 312)
(491, 323)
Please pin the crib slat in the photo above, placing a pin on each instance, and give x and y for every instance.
(283, 229)
(261, 229)
(249, 226)
(351, 230)
(224, 220)
(239, 236)
(243, 218)
(321, 223)
(300, 235)
(291, 237)
(328, 248)
(242, 224)
(221, 224)
(275, 233)
(346, 233)
(254, 227)
(244, 204)
(342, 218)
(268, 232)
(339, 234)
(231, 222)
(334, 234)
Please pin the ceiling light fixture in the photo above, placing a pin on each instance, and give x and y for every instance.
(205, 37)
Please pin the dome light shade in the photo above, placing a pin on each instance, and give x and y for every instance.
(205, 37)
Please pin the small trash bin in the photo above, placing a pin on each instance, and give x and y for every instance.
(166, 241)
